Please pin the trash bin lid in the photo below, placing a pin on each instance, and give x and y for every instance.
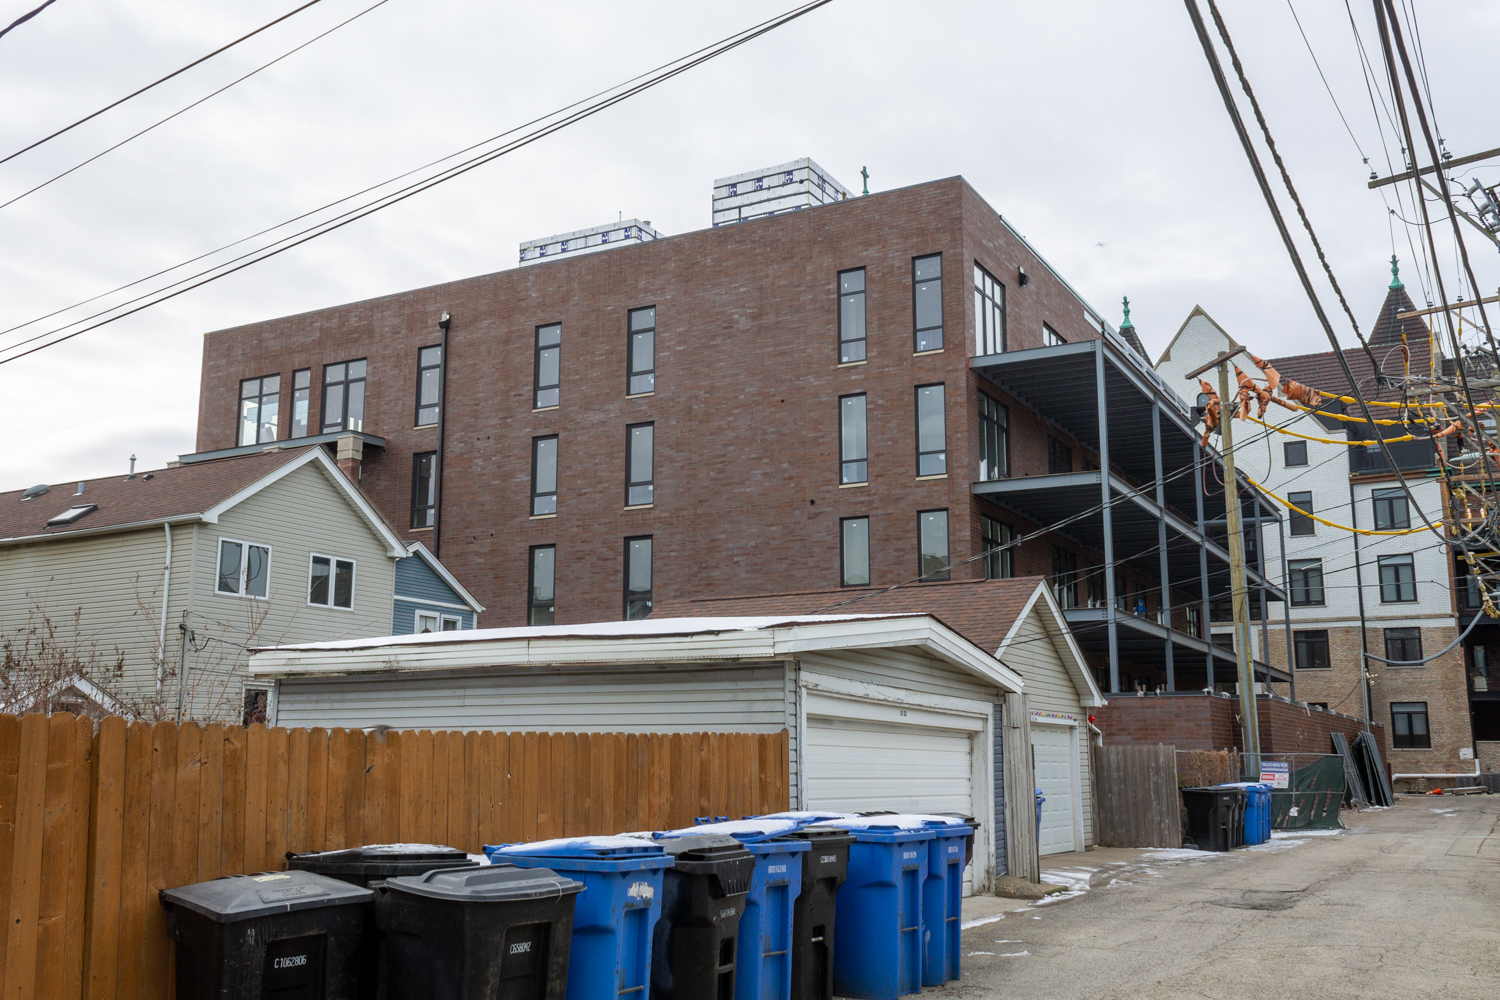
(928, 820)
(822, 835)
(704, 847)
(500, 883)
(245, 897)
(382, 854)
(887, 828)
(747, 831)
(580, 847)
(806, 815)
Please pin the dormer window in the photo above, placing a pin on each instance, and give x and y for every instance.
(71, 515)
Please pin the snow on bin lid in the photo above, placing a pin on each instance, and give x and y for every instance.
(746, 830)
(388, 852)
(245, 897)
(926, 819)
(579, 847)
(494, 884)
(882, 822)
(807, 815)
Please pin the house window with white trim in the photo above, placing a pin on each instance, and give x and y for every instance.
(244, 569)
(330, 582)
(432, 621)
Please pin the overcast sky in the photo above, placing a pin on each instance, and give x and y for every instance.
(1081, 122)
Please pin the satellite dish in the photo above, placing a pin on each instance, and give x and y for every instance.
(34, 492)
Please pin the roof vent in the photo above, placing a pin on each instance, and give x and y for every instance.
(72, 514)
(34, 492)
(80, 490)
(626, 232)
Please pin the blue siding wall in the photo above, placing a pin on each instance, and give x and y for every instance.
(415, 579)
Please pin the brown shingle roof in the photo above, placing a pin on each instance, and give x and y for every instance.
(982, 611)
(158, 495)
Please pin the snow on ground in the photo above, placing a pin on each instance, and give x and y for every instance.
(1075, 881)
(1289, 834)
(981, 921)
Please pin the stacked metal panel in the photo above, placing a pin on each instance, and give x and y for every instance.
(789, 187)
(628, 232)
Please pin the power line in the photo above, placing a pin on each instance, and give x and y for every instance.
(24, 18)
(615, 95)
(1319, 68)
(182, 111)
(137, 93)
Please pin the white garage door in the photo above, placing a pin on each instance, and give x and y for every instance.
(858, 765)
(1052, 753)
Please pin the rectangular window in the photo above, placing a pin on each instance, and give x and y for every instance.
(854, 465)
(854, 551)
(1050, 337)
(1409, 726)
(1294, 453)
(330, 582)
(932, 431)
(1311, 649)
(1307, 582)
(301, 401)
(640, 464)
(992, 535)
(344, 397)
(1391, 510)
(1194, 621)
(932, 542)
(431, 621)
(429, 384)
(541, 606)
(927, 301)
(424, 489)
(548, 367)
(994, 440)
(989, 312)
(260, 406)
(1299, 523)
(1059, 457)
(1065, 578)
(244, 569)
(851, 315)
(1403, 645)
(543, 475)
(1398, 579)
(637, 578)
(642, 366)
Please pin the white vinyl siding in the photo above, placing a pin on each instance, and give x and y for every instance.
(902, 668)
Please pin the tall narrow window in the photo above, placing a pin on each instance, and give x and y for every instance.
(640, 464)
(330, 582)
(932, 544)
(424, 489)
(994, 440)
(927, 302)
(429, 384)
(852, 315)
(642, 367)
(548, 374)
(1051, 338)
(932, 431)
(637, 578)
(1404, 645)
(244, 569)
(1409, 726)
(854, 551)
(344, 397)
(1311, 649)
(260, 407)
(992, 535)
(543, 476)
(1306, 582)
(1065, 577)
(540, 599)
(1398, 579)
(1391, 510)
(1059, 457)
(854, 465)
(301, 401)
(989, 312)
(1299, 523)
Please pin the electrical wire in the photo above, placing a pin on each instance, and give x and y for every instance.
(24, 18)
(156, 83)
(1319, 68)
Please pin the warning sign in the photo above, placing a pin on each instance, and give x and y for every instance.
(1276, 773)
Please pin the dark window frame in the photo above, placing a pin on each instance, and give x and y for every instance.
(1405, 712)
(345, 383)
(947, 571)
(864, 460)
(1051, 338)
(422, 370)
(988, 304)
(844, 552)
(994, 532)
(994, 437)
(538, 402)
(917, 422)
(260, 396)
(632, 599)
(1300, 525)
(1287, 448)
(1395, 590)
(544, 495)
(1059, 453)
(1310, 649)
(301, 394)
(846, 358)
(1306, 588)
(428, 511)
(1385, 504)
(632, 484)
(917, 332)
(532, 604)
(1402, 644)
(631, 333)
(1064, 577)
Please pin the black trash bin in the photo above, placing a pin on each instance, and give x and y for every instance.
(1214, 817)
(497, 931)
(703, 897)
(824, 869)
(281, 935)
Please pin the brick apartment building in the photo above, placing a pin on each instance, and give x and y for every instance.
(847, 393)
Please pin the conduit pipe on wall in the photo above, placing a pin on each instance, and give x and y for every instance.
(166, 589)
(1397, 777)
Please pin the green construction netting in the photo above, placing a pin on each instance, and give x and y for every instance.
(1312, 802)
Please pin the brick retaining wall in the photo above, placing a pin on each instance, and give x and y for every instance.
(1210, 722)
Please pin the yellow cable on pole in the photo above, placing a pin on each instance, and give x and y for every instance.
(1342, 527)
(1309, 437)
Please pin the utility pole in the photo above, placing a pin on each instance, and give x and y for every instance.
(1244, 666)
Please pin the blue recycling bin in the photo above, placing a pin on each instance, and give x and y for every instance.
(1040, 798)
(1257, 828)
(878, 935)
(763, 959)
(615, 915)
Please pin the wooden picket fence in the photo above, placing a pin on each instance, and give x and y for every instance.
(1137, 802)
(92, 825)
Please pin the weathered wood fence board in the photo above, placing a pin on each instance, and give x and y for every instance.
(1137, 795)
(93, 825)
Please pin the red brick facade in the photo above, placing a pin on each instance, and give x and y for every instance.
(1203, 722)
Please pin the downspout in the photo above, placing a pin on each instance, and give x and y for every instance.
(1359, 590)
(166, 588)
(437, 507)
